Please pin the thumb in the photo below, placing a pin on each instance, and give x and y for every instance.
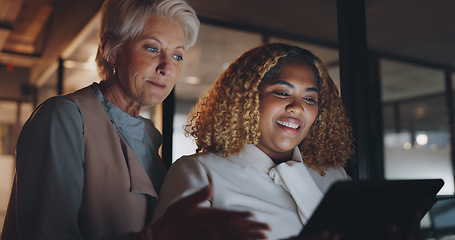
(200, 196)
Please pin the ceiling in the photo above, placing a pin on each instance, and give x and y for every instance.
(35, 33)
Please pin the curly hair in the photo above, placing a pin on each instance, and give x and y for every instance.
(227, 118)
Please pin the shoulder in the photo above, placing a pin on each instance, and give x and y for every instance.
(205, 159)
(86, 95)
(332, 175)
(57, 116)
(197, 159)
(185, 175)
(338, 172)
(58, 108)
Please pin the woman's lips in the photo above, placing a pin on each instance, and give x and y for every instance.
(156, 84)
(288, 124)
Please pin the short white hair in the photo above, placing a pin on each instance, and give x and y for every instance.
(125, 19)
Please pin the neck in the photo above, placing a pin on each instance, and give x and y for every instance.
(278, 160)
(115, 94)
(277, 157)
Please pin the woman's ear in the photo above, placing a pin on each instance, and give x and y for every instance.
(107, 43)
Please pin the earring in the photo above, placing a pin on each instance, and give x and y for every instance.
(114, 71)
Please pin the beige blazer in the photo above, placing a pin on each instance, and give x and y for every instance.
(118, 195)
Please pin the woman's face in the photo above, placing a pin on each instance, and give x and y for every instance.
(288, 108)
(149, 65)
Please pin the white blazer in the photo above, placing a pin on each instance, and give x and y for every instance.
(283, 196)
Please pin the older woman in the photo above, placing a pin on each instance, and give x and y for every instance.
(87, 165)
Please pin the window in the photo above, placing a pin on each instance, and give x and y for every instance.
(416, 127)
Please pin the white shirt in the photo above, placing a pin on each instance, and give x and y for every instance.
(252, 182)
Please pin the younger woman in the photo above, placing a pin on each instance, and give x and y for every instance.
(272, 136)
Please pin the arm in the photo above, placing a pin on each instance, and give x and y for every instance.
(186, 176)
(50, 155)
(179, 214)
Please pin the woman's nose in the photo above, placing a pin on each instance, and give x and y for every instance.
(164, 67)
(295, 107)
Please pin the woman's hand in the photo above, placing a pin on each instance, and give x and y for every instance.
(406, 232)
(185, 220)
(320, 236)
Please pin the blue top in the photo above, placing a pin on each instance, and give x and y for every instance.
(131, 129)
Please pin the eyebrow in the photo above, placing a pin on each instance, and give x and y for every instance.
(156, 39)
(282, 82)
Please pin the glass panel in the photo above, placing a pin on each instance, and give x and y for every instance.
(416, 133)
(48, 89)
(80, 66)
(25, 112)
(215, 49)
(6, 181)
(9, 130)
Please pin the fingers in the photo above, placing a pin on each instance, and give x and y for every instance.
(196, 198)
(199, 223)
(228, 219)
(394, 234)
(221, 224)
(234, 228)
(220, 232)
(414, 231)
(325, 235)
(410, 231)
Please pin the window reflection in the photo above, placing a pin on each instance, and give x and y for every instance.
(416, 130)
(13, 115)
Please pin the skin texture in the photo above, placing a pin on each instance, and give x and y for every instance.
(288, 108)
(147, 67)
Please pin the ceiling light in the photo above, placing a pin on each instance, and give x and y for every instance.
(407, 146)
(193, 80)
(422, 139)
(69, 64)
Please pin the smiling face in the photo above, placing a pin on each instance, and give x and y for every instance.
(288, 108)
(148, 66)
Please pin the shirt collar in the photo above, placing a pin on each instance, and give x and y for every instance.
(261, 161)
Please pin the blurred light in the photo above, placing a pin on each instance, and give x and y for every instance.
(193, 80)
(420, 112)
(80, 65)
(69, 64)
(422, 139)
(407, 146)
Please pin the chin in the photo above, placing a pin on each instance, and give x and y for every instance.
(152, 102)
(287, 147)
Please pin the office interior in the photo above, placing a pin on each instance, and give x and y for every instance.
(393, 61)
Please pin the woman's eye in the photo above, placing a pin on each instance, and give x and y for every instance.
(310, 100)
(152, 49)
(280, 94)
(178, 58)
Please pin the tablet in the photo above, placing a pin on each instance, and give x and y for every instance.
(363, 209)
